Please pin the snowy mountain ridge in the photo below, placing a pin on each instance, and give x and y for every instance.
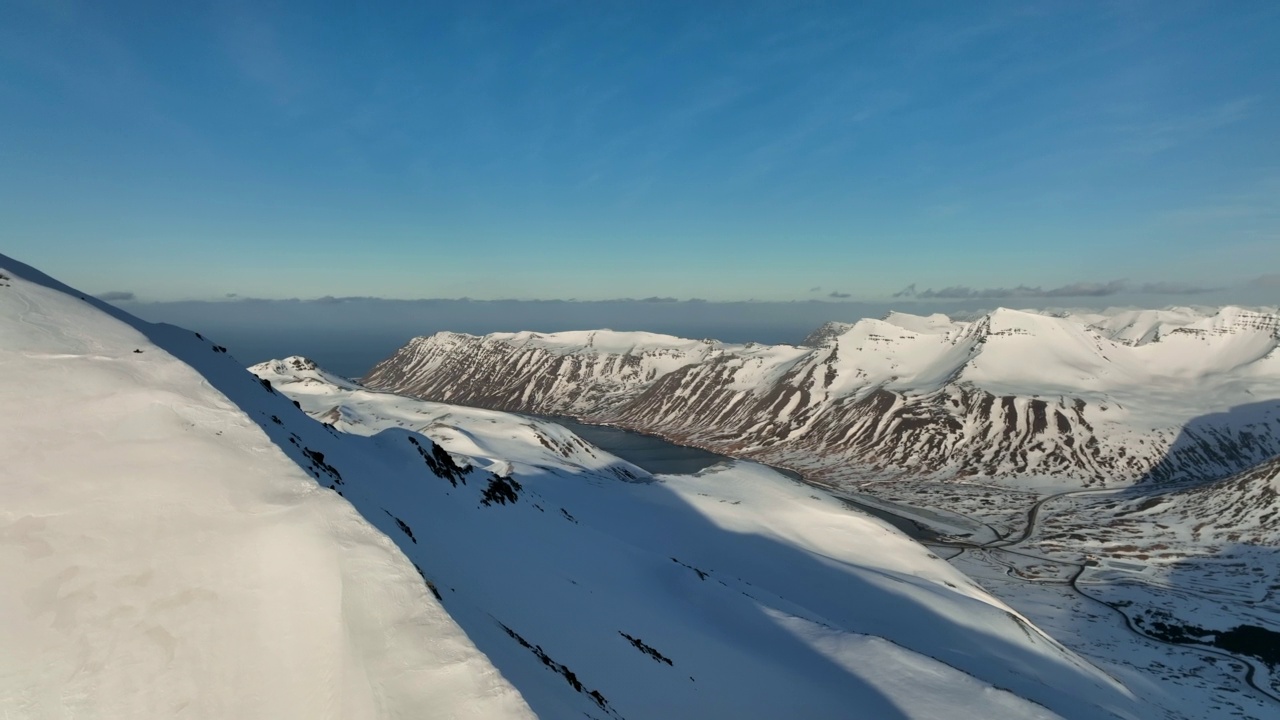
(1118, 397)
(164, 557)
(210, 550)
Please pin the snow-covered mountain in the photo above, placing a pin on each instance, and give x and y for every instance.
(163, 557)
(1111, 397)
(179, 538)
(1243, 509)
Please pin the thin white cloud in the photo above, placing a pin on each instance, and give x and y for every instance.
(1157, 137)
(1079, 289)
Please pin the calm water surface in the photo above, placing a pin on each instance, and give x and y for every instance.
(661, 456)
(650, 452)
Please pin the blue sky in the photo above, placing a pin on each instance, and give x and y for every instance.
(590, 150)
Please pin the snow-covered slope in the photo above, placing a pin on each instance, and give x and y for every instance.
(165, 553)
(490, 440)
(581, 372)
(1243, 509)
(162, 557)
(730, 593)
(1113, 397)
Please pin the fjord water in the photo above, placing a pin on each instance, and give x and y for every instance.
(663, 457)
(655, 454)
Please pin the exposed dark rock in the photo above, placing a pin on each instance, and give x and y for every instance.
(318, 464)
(408, 531)
(646, 649)
(501, 490)
(569, 676)
(441, 462)
(701, 575)
(430, 585)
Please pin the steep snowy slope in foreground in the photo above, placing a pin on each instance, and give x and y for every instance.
(162, 546)
(161, 557)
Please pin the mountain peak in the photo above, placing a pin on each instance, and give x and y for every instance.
(1013, 391)
(937, 323)
(298, 369)
(825, 333)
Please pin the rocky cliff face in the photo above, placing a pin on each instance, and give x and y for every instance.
(1094, 399)
(589, 373)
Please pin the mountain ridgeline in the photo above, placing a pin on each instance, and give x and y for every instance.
(184, 537)
(1094, 399)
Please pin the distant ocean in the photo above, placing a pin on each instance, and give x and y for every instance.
(349, 335)
(347, 353)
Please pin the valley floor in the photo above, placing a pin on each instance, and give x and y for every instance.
(1060, 559)
(1106, 588)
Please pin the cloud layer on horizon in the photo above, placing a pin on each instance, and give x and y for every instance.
(349, 334)
(117, 296)
(1073, 290)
